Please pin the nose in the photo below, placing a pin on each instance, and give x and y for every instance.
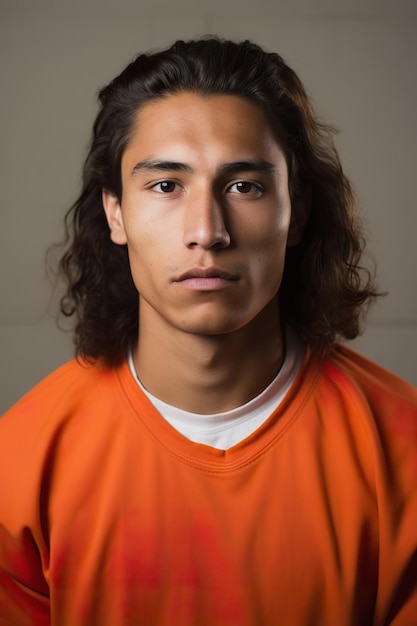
(204, 222)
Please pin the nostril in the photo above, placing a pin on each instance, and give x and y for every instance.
(206, 240)
(207, 234)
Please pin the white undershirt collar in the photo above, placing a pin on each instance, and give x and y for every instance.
(224, 430)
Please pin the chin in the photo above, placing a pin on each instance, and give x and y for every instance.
(212, 327)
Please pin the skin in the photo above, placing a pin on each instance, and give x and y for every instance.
(206, 215)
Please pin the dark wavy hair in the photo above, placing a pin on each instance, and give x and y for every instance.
(324, 291)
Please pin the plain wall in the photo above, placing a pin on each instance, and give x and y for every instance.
(357, 59)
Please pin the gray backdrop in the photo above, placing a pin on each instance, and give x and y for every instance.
(357, 59)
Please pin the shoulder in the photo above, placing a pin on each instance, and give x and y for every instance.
(371, 400)
(351, 370)
(59, 395)
(69, 414)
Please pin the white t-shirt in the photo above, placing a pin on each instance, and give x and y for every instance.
(224, 430)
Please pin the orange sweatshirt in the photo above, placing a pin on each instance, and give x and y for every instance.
(109, 517)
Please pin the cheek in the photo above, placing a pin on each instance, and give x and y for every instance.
(148, 230)
(268, 264)
(270, 220)
(268, 258)
(140, 235)
(269, 239)
(150, 250)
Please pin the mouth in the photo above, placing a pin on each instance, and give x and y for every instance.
(209, 272)
(206, 279)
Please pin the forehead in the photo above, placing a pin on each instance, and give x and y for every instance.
(195, 123)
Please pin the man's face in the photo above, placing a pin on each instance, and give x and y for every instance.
(205, 212)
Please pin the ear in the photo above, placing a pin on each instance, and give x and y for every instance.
(114, 217)
(300, 212)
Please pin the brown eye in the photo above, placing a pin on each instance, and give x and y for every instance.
(166, 186)
(245, 187)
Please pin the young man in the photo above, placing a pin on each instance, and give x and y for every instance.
(214, 456)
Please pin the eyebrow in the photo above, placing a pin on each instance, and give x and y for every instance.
(247, 165)
(150, 165)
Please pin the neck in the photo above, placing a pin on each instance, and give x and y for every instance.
(209, 374)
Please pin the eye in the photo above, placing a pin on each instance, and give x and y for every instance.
(245, 187)
(166, 186)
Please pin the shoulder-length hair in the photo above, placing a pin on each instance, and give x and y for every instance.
(324, 289)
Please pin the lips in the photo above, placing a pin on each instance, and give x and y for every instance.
(206, 280)
(208, 272)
